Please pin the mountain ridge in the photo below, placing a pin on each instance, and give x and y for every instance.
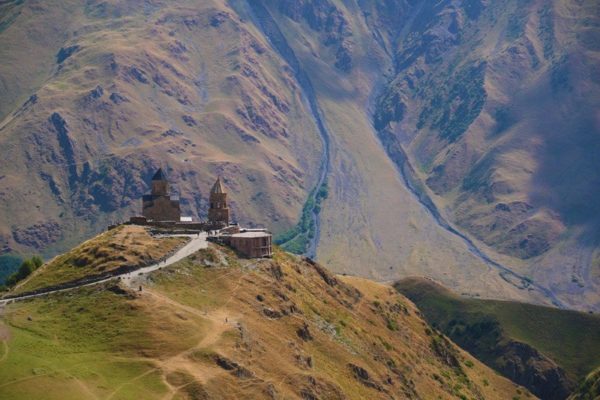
(550, 351)
(217, 326)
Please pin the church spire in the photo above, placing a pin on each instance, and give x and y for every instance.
(217, 187)
(218, 212)
(159, 175)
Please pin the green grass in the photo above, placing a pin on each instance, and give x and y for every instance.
(182, 280)
(92, 342)
(297, 239)
(122, 246)
(589, 388)
(87, 344)
(570, 338)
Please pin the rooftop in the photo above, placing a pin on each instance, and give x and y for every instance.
(251, 234)
(159, 175)
(217, 187)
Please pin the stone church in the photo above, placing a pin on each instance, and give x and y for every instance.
(159, 205)
(162, 210)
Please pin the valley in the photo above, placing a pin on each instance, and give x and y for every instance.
(428, 173)
(410, 134)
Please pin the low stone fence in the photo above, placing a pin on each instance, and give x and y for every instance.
(171, 226)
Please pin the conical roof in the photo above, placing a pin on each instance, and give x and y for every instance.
(217, 187)
(159, 175)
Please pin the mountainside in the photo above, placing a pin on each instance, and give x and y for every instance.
(125, 247)
(547, 350)
(216, 326)
(589, 389)
(452, 139)
(116, 90)
(496, 105)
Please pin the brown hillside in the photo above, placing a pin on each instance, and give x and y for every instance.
(215, 326)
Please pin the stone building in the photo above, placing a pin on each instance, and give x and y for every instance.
(252, 244)
(159, 205)
(218, 213)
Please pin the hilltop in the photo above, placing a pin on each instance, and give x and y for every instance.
(117, 250)
(217, 326)
(548, 350)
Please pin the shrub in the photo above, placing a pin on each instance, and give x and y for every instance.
(25, 269)
(9, 264)
(391, 324)
(37, 261)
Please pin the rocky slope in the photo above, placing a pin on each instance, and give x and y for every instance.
(215, 326)
(117, 90)
(547, 350)
(457, 139)
(495, 105)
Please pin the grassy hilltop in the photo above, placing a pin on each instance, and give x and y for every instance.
(216, 326)
(124, 246)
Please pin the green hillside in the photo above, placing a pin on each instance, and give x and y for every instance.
(123, 247)
(214, 326)
(568, 340)
(589, 389)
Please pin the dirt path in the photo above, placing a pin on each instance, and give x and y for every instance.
(221, 321)
(196, 243)
(135, 378)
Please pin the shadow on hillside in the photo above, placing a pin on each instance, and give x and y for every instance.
(568, 176)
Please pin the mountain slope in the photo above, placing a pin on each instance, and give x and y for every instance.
(123, 248)
(215, 326)
(545, 349)
(457, 139)
(589, 389)
(367, 198)
(495, 105)
(123, 90)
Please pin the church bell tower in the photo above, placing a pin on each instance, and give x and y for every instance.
(218, 213)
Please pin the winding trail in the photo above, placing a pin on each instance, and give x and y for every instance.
(196, 243)
(220, 319)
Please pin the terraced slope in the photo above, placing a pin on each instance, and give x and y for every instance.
(215, 326)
